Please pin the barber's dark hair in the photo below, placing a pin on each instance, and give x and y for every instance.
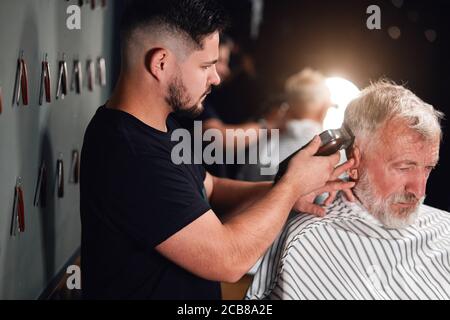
(196, 18)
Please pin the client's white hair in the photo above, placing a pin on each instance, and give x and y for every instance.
(383, 101)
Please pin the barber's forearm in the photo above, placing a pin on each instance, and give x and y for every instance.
(251, 232)
(231, 195)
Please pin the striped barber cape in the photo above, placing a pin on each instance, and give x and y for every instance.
(350, 255)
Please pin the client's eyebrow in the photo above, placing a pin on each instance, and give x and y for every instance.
(409, 162)
(405, 161)
(415, 163)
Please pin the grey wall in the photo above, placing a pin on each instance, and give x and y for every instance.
(29, 134)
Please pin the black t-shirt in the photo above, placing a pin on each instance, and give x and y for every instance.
(133, 198)
(208, 113)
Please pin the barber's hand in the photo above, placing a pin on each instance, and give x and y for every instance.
(348, 193)
(306, 172)
(306, 203)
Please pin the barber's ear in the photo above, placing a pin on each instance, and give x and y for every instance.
(355, 154)
(156, 62)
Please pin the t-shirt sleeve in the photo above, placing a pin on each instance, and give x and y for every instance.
(151, 198)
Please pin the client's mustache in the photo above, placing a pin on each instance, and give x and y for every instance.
(407, 197)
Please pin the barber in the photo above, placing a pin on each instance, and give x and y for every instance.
(148, 230)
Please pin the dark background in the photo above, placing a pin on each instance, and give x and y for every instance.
(332, 36)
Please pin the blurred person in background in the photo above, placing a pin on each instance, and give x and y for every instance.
(308, 99)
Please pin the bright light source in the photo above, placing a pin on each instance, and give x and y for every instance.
(342, 92)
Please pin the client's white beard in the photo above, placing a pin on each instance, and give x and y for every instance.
(381, 208)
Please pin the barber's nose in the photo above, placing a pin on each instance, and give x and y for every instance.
(214, 78)
(418, 185)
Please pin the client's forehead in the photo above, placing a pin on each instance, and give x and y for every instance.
(398, 142)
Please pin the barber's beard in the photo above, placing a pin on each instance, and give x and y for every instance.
(178, 99)
(382, 209)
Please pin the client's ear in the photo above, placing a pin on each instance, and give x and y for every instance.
(355, 154)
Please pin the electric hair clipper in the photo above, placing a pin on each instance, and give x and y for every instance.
(332, 141)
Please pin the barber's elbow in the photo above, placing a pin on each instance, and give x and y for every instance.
(232, 271)
(220, 274)
(231, 276)
(219, 269)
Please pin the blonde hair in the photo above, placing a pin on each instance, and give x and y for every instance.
(307, 87)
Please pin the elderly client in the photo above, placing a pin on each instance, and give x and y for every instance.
(388, 245)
